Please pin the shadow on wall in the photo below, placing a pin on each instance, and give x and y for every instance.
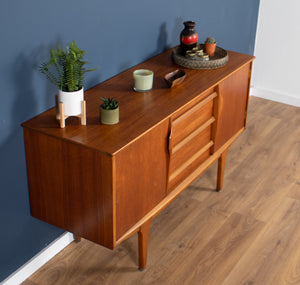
(13, 170)
(162, 40)
(161, 46)
(178, 27)
(20, 232)
(28, 102)
(25, 103)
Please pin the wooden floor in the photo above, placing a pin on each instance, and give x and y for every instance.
(247, 234)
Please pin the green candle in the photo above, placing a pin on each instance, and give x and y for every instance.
(143, 80)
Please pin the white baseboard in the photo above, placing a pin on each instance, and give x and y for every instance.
(275, 96)
(38, 260)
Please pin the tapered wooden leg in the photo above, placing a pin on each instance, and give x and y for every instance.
(76, 238)
(221, 168)
(143, 235)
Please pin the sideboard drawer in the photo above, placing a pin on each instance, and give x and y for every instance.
(186, 150)
(192, 119)
(188, 167)
(190, 139)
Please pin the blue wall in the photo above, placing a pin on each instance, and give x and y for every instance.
(117, 35)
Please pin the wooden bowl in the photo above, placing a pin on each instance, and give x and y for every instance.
(175, 77)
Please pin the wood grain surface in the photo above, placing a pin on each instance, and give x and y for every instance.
(139, 112)
(247, 234)
(102, 183)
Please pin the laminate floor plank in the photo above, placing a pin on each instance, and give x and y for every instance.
(289, 273)
(272, 249)
(273, 109)
(211, 264)
(295, 190)
(249, 233)
(188, 241)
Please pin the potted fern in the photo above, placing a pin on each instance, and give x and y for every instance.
(210, 46)
(109, 111)
(66, 70)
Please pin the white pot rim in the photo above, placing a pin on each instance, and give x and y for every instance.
(69, 92)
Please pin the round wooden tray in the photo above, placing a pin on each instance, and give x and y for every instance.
(218, 60)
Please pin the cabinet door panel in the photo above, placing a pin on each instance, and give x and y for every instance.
(141, 177)
(233, 101)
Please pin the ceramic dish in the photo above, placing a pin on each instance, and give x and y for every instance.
(175, 77)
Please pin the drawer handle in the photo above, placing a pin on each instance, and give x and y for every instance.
(170, 145)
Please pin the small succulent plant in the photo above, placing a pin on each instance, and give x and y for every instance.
(109, 103)
(210, 40)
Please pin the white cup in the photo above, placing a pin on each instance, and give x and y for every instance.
(143, 80)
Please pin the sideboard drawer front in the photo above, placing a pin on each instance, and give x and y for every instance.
(181, 173)
(190, 139)
(192, 119)
(184, 152)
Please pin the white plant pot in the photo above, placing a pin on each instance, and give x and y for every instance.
(72, 101)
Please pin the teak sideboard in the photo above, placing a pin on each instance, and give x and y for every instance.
(107, 182)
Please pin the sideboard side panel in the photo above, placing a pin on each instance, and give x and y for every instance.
(233, 92)
(70, 187)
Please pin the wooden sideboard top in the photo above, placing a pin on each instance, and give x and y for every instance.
(139, 112)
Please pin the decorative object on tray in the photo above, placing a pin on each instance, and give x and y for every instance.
(197, 53)
(175, 78)
(219, 59)
(66, 70)
(109, 111)
(188, 37)
(210, 46)
(143, 80)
